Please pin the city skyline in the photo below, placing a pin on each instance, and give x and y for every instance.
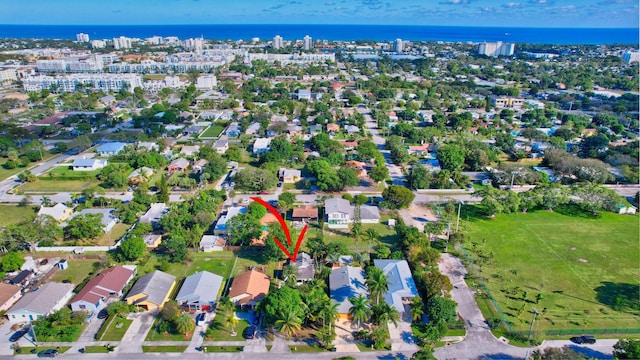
(515, 13)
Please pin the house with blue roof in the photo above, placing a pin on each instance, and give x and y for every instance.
(110, 148)
(346, 282)
(402, 288)
(88, 164)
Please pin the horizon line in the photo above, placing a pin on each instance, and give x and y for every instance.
(375, 25)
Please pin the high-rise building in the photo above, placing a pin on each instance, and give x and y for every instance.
(631, 56)
(154, 40)
(496, 49)
(122, 43)
(193, 44)
(82, 38)
(308, 42)
(277, 42)
(399, 46)
(98, 44)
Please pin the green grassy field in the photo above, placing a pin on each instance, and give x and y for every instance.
(76, 272)
(14, 214)
(67, 172)
(219, 332)
(164, 348)
(386, 235)
(113, 332)
(171, 335)
(57, 185)
(212, 132)
(580, 272)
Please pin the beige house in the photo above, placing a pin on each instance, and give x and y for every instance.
(59, 212)
(289, 176)
(9, 294)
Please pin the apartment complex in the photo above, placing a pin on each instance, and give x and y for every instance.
(496, 49)
(277, 42)
(66, 83)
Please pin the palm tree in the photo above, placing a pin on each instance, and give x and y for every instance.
(372, 234)
(356, 232)
(358, 258)
(289, 323)
(329, 313)
(46, 201)
(333, 258)
(416, 309)
(360, 310)
(289, 274)
(75, 197)
(384, 313)
(377, 283)
(185, 324)
(231, 321)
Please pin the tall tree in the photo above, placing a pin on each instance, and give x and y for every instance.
(289, 322)
(360, 310)
(377, 283)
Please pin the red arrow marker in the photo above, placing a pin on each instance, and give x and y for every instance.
(285, 228)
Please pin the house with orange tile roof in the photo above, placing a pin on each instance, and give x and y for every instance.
(248, 288)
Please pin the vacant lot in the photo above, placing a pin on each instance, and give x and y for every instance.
(77, 271)
(14, 214)
(54, 186)
(578, 271)
(212, 132)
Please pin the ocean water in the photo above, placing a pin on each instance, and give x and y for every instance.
(333, 32)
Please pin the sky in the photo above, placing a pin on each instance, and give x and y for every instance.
(498, 13)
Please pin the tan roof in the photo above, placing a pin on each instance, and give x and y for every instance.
(7, 292)
(306, 211)
(333, 127)
(253, 283)
(268, 218)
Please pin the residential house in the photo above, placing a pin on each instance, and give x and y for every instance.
(140, 175)
(210, 243)
(82, 164)
(346, 282)
(305, 267)
(402, 288)
(9, 294)
(356, 166)
(289, 176)
(418, 150)
(304, 95)
(349, 145)
(111, 148)
(248, 288)
(199, 292)
(294, 130)
(108, 219)
(199, 165)
(253, 128)
(352, 129)
(50, 298)
(155, 212)
(339, 212)
(192, 130)
(152, 290)
(189, 150)
(108, 283)
(178, 165)
(221, 145)
(152, 241)
(59, 212)
(305, 213)
(221, 224)
(149, 146)
(233, 130)
(333, 128)
(314, 130)
(369, 214)
(261, 145)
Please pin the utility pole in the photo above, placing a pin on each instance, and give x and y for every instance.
(458, 220)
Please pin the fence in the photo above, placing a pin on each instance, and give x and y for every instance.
(592, 331)
(74, 248)
(478, 279)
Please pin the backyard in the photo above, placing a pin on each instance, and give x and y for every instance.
(54, 186)
(77, 271)
(576, 270)
(386, 235)
(213, 131)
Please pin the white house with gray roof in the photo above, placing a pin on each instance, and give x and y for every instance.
(50, 298)
(199, 292)
(402, 288)
(339, 212)
(88, 164)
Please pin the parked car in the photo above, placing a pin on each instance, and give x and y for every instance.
(19, 334)
(280, 184)
(585, 339)
(200, 319)
(263, 192)
(250, 332)
(102, 314)
(48, 353)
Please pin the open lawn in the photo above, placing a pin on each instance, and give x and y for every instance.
(171, 335)
(222, 349)
(580, 272)
(35, 350)
(212, 132)
(14, 214)
(76, 272)
(96, 349)
(66, 172)
(306, 348)
(386, 235)
(217, 331)
(54, 186)
(112, 237)
(221, 262)
(116, 328)
(178, 270)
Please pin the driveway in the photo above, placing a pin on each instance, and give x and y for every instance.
(479, 343)
(344, 341)
(402, 336)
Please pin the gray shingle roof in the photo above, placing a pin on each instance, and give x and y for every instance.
(305, 266)
(335, 205)
(346, 282)
(401, 284)
(45, 299)
(202, 287)
(155, 285)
